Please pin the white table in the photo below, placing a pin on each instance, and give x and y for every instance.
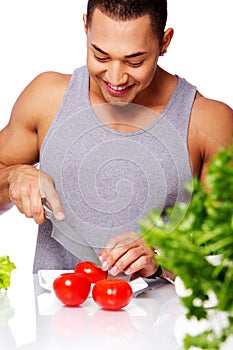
(40, 322)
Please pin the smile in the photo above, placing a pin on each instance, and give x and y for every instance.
(117, 88)
(118, 91)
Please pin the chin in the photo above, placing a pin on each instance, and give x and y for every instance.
(121, 101)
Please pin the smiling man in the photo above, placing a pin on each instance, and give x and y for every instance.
(122, 63)
(115, 139)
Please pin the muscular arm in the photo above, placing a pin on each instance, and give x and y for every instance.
(211, 128)
(18, 145)
(20, 141)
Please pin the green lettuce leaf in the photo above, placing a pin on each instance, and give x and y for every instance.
(6, 267)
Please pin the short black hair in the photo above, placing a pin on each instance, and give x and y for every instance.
(131, 9)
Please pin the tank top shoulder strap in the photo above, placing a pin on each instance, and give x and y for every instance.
(179, 107)
(75, 98)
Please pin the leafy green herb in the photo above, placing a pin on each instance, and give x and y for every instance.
(6, 267)
(201, 228)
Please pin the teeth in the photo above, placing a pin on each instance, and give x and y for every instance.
(117, 88)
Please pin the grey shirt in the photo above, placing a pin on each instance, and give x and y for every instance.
(109, 180)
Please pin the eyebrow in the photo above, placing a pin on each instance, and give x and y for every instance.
(136, 54)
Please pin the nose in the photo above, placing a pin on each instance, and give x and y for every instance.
(117, 73)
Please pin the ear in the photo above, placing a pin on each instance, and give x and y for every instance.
(167, 37)
(85, 22)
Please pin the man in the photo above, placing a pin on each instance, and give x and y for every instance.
(147, 130)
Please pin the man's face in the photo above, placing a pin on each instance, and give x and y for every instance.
(121, 57)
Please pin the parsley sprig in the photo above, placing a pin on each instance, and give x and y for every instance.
(201, 228)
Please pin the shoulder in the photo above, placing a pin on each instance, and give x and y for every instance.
(41, 97)
(53, 82)
(44, 82)
(211, 127)
(51, 77)
(212, 119)
(211, 107)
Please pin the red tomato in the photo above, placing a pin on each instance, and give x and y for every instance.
(91, 270)
(72, 289)
(112, 294)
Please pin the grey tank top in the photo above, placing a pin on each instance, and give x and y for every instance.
(109, 180)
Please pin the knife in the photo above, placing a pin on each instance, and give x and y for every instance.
(70, 239)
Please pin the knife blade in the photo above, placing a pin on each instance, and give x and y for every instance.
(70, 239)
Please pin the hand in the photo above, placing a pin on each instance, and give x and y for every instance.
(128, 252)
(27, 185)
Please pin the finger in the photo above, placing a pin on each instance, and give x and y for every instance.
(122, 256)
(107, 256)
(121, 241)
(15, 198)
(21, 199)
(49, 192)
(145, 265)
(126, 260)
(31, 210)
(116, 247)
(37, 208)
(28, 201)
(55, 205)
(26, 205)
(108, 260)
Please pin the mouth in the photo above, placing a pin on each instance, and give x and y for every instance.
(117, 90)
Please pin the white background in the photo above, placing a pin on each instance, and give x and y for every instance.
(42, 35)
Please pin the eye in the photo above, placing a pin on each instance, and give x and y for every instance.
(101, 59)
(136, 64)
